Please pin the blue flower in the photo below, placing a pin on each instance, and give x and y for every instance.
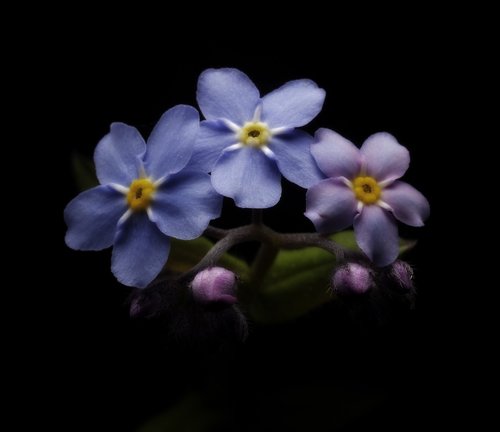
(247, 141)
(144, 198)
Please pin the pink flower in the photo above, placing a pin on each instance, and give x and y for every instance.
(363, 189)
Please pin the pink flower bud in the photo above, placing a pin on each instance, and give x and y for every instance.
(352, 278)
(215, 285)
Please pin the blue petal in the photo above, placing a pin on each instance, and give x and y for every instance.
(385, 159)
(377, 235)
(330, 205)
(118, 155)
(335, 155)
(92, 217)
(140, 251)
(294, 104)
(408, 204)
(294, 159)
(185, 204)
(227, 93)
(171, 143)
(213, 138)
(249, 177)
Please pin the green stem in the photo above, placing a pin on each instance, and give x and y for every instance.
(261, 265)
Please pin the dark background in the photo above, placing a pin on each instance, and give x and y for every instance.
(341, 367)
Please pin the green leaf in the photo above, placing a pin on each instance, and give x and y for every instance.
(84, 171)
(301, 405)
(299, 281)
(406, 245)
(186, 254)
(190, 414)
(348, 241)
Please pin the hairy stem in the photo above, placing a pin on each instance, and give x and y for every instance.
(229, 239)
(257, 216)
(272, 242)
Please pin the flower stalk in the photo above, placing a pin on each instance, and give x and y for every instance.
(271, 243)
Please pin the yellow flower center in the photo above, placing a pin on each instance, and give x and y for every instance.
(366, 189)
(254, 134)
(140, 194)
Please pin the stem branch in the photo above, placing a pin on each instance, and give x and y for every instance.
(272, 242)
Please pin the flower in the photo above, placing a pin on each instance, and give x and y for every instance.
(352, 278)
(363, 187)
(402, 273)
(215, 285)
(144, 197)
(247, 141)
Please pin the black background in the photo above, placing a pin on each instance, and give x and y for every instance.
(315, 373)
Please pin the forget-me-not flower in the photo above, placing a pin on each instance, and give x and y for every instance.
(247, 141)
(363, 188)
(144, 198)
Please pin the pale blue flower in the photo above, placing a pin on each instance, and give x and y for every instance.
(247, 142)
(145, 197)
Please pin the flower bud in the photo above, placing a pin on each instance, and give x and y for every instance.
(215, 285)
(402, 273)
(352, 278)
(144, 303)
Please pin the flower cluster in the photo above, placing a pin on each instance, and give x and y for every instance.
(172, 185)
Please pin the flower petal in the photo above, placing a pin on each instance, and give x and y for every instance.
(249, 177)
(377, 235)
(118, 155)
(385, 158)
(140, 251)
(294, 104)
(227, 93)
(213, 138)
(335, 155)
(294, 159)
(171, 142)
(330, 205)
(407, 203)
(92, 217)
(185, 204)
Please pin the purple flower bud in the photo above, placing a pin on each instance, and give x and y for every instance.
(215, 285)
(402, 273)
(144, 304)
(352, 278)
